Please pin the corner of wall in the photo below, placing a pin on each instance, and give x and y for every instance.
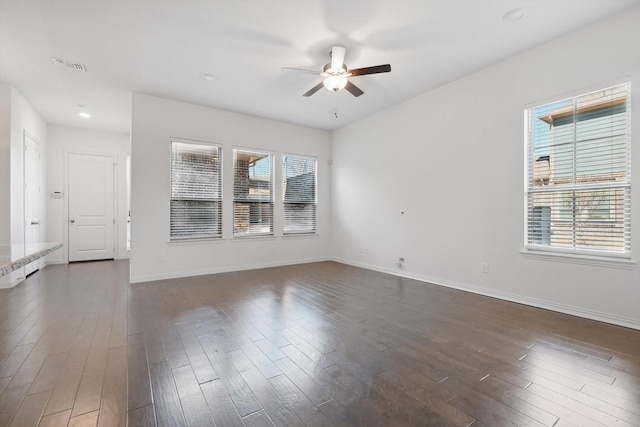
(5, 165)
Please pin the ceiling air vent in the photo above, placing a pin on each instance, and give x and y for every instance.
(69, 64)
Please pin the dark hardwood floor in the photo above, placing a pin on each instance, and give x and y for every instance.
(310, 345)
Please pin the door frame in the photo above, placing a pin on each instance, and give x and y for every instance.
(65, 213)
(40, 262)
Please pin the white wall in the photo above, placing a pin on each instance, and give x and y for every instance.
(154, 122)
(18, 117)
(452, 159)
(64, 140)
(24, 118)
(5, 172)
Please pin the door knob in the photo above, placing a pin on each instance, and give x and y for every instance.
(72, 221)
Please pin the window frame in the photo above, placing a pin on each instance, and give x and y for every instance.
(271, 201)
(315, 195)
(598, 255)
(219, 200)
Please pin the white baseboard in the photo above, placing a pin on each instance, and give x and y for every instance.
(205, 271)
(520, 299)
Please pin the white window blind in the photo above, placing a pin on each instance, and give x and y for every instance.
(252, 193)
(578, 187)
(196, 190)
(299, 194)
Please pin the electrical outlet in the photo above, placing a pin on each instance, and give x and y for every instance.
(162, 258)
(399, 265)
(484, 267)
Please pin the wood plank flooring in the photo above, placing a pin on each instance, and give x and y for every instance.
(319, 344)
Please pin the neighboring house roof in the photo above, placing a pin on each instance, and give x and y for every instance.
(301, 188)
(594, 101)
(250, 157)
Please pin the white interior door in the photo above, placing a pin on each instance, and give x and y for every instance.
(91, 207)
(31, 199)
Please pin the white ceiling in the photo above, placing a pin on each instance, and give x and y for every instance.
(164, 47)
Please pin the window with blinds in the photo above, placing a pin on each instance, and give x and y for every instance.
(578, 187)
(252, 193)
(196, 190)
(299, 194)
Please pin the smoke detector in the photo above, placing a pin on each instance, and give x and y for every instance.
(69, 64)
(513, 15)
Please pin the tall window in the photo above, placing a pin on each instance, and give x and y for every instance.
(299, 194)
(252, 193)
(196, 190)
(579, 174)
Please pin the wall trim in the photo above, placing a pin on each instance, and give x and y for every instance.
(118, 258)
(206, 271)
(520, 299)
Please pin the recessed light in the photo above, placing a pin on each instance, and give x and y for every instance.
(84, 114)
(209, 77)
(513, 15)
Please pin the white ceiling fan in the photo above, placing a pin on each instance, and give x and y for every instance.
(336, 74)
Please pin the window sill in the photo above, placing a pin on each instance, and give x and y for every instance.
(598, 261)
(188, 242)
(253, 238)
(300, 235)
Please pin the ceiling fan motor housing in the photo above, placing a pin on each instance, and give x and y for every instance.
(331, 72)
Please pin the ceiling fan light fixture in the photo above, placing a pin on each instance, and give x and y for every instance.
(335, 83)
(336, 74)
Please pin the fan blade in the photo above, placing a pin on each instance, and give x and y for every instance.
(353, 89)
(314, 89)
(300, 70)
(371, 70)
(337, 57)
